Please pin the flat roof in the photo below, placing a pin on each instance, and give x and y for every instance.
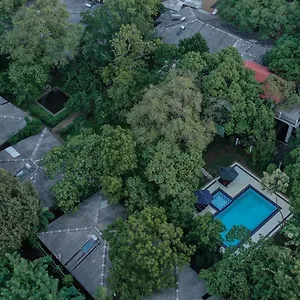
(31, 151)
(66, 236)
(12, 119)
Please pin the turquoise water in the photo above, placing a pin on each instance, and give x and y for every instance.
(220, 200)
(250, 209)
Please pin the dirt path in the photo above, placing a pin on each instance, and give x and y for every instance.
(64, 123)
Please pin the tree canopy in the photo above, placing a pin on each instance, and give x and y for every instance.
(284, 58)
(89, 162)
(171, 134)
(19, 212)
(224, 79)
(41, 37)
(268, 17)
(293, 170)
(144, 251)
(23, 279)
(263, 271)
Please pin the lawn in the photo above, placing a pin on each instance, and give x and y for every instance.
(223, 152)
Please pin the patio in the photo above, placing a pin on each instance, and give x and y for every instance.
(238, 185)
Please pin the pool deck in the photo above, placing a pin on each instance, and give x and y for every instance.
(244, 179)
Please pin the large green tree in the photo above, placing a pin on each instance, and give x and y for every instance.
(284, 58)
(171, 134)
(19, 212)
(118, 157)
(172, 112)
(23, 279)
(8, 8)
(127, 75)
(267, 17)
(263, 271)
(144, 250)
(79, 162)
(41, 38)
(205, 234)
(89, 162)
(225, 79)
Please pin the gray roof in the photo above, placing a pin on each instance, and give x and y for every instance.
(75, 7)
(66, 236)
(290, 116)
(12, 119)
(190, 287)
(31, 151)
(217, 34)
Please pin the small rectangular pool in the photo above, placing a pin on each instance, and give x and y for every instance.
(249, 209)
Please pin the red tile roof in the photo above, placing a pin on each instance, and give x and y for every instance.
(261, 74)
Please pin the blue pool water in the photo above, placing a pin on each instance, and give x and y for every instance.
(220, 200)
(250, 209)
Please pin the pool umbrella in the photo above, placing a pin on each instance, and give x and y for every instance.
(204, 197)
(228, 173)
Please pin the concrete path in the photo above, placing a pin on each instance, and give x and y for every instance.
(64, 123)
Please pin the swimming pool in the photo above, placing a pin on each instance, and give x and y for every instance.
(249, 209)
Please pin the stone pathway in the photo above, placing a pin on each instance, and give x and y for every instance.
(206, 174)
(64, 123)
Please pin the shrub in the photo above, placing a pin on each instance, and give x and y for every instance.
(32, 127)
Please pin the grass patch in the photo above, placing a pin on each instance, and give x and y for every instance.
(45, 117)
(222, 152)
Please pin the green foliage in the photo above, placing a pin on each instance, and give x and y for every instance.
(284, 58)
(151, 249)
(193, 62)
(277, 181)
(268, 17)
(245, 115)
(196, 43)
(262, 271)
(171, 112)
(118, 156)
(45, 117)
(41, 37)
(89, 161)
(68, 280)
(135, 12)
(138, 194)
(19, 212)
(166, 55)
(205, 234)
(101, 294)
(79, 161)
(293, 171)
(171, 135)
(8, 8)
(124, 76)
(23, 279)
(32, 127)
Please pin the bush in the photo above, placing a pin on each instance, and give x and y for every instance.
(68, 280)
(32, 127)
(38, 112)
(196, 43)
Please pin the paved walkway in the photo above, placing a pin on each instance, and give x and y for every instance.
(64, 123)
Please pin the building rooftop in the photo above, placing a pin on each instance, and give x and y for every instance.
(24, 160)
(190, 287)
(12, 119)
(76, 7)
(217, 34)
(76, 240)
